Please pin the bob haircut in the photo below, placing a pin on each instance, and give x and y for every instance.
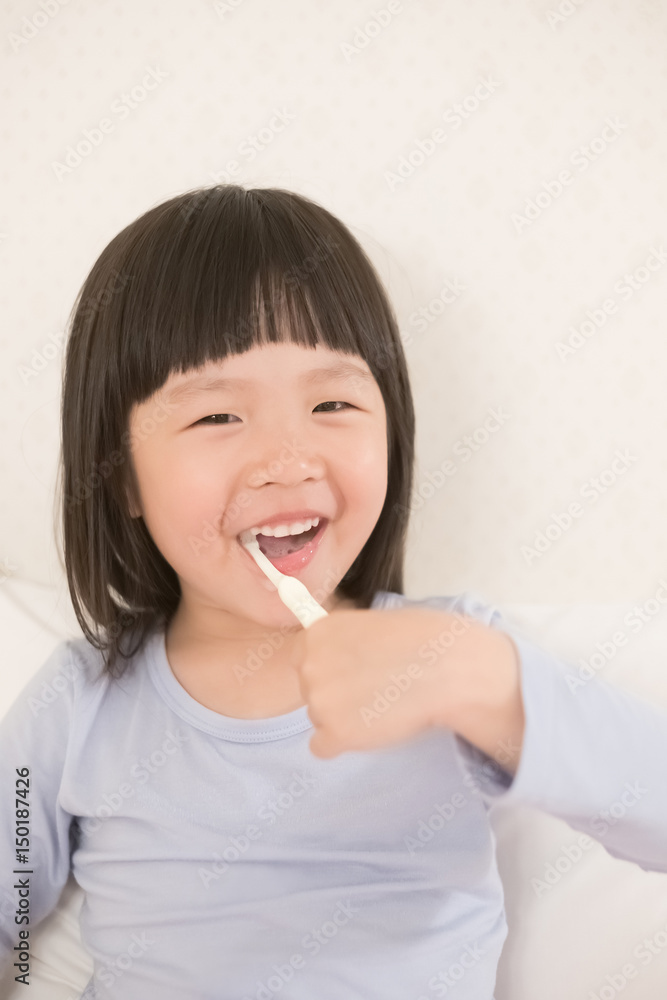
(205, 275)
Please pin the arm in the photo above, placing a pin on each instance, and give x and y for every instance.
(591, 754)
(34, 828)
(483, 701)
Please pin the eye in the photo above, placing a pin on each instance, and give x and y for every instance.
(212, 419)
(216, 419)
(335, 403)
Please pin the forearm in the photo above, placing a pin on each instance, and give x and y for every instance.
(481, 694)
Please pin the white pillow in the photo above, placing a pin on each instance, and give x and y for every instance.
(33, 620)
(574, 939)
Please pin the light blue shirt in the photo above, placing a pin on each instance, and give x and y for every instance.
(221, 860)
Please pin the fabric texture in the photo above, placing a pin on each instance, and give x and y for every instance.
(220, 859)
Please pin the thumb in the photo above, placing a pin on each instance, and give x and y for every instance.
(320, 747)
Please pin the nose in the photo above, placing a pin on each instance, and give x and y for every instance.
(288, 460)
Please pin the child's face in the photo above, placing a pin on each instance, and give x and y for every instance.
(273, 449)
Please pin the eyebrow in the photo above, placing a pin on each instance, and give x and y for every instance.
(340, 371)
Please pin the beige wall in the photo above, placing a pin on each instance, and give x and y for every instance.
(580, 96)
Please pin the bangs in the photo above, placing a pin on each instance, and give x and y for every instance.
(228, 272)
(210, 273)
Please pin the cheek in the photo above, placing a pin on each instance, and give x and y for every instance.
(175, 490)
(366, 475)
(373, 470)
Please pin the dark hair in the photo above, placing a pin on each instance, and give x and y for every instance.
(205, 275)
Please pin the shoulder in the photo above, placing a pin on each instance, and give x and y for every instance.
(74, 673)
(72, 667)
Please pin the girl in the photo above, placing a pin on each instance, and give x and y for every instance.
(252, 809)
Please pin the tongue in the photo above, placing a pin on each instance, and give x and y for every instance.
(276, 547)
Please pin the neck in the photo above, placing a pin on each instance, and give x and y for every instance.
(235, 665)
(205, 633)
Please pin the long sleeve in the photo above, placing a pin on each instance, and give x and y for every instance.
(34, 737)
(593, 754)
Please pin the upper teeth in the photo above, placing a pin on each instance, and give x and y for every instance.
(279, 530)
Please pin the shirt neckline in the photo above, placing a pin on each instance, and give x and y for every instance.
(226, 727)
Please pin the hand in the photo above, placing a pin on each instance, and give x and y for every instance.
(374, 678)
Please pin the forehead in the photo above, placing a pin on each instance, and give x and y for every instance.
(269, 363)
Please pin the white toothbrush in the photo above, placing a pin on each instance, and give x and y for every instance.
(294, 594)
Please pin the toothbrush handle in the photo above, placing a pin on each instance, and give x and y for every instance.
(309, 612)
(296, 596)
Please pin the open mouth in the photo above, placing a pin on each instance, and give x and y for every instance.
(276, 548)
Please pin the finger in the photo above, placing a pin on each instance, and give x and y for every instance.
(323, 748)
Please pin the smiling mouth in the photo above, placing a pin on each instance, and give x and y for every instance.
(274, 548)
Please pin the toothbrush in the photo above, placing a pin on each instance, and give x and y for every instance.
(294, 594)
